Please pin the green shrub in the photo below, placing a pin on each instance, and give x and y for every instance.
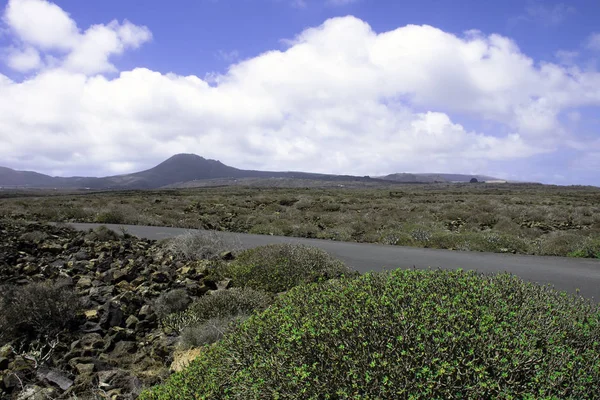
(494, 242)
(101, 234)
(396, 238)
(110, 217)
(405, 334)
(219, 304)
(171, 302)
(559, 243)
(331, 207)
(199, 245)
(34, 237)
(37, 310)
(588, 248)
(447, 240)
(234, 301)
(210, 331)
(304, 204)
(279, 267)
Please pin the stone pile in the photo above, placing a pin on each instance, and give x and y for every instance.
(119, 347)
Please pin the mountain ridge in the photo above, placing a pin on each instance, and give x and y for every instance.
(186, 167)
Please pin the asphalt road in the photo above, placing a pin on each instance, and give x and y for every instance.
(567, 274)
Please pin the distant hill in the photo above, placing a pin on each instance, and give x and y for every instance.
(176, 170)
(10, 177)
(431, 178)
(181, 169)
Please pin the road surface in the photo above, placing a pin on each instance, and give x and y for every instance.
(567, 274)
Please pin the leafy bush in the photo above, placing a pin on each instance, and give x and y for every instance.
(420, 235)
(113, 216)
(589, 248)
(37, 310)
(494, 242)
(234, 301)
(219, 304)
(34, 237)
(405, 334)
(170, 302)
(279, 267)
(558, 243)
(199, 245)
(331, 207)
(101, 234)
(210, 331)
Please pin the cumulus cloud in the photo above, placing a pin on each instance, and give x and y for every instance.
(228, 56)
(23, 60)
(41, 26)
(341, 98)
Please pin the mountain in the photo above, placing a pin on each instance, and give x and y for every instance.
(10, 177)
(182, 168)
(430, 178)
(178, 169)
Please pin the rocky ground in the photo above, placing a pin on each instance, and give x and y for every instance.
(116, 347)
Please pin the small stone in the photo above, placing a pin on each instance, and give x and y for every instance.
(105, 377)
(145, 311)
(124, 286)
(185, 270)
(5, 351)
(131, 322)
(119, 275)
(91, 315)
(227, 255)
(116, 333)
(182, 358)
(84, 283)
(30, 269)
(123, 348)
(81, 255)
(114, 394)
(224, 284)
(112, 315)
(57, 378)
(35, 392)
(11, 381)
(159, 277)
(85, 369)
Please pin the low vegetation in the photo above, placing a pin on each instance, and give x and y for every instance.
(222, 304)
(279, 267)
(405, 334)
(37, 311)
(506, 218)
(193, 246)
(104, 315)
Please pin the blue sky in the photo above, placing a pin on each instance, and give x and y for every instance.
(508, 88)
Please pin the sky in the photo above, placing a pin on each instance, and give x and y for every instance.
(365, 87)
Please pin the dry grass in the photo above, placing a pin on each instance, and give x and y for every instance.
(516, 218)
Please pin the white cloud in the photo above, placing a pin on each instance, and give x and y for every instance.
(23, 60)
(341, 98)
(94, 48)
(566, 57)
(41, 26)
(228, 56)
